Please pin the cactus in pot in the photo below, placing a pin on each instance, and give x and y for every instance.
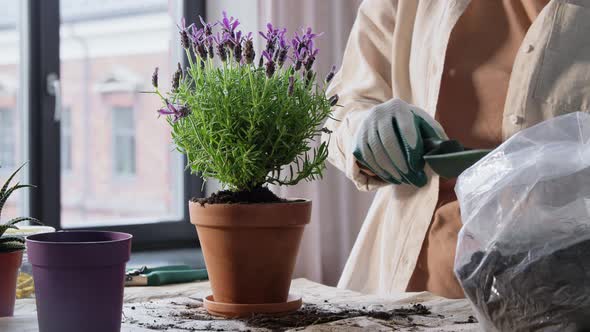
(11, 249)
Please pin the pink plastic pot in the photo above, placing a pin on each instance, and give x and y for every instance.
(79, 279)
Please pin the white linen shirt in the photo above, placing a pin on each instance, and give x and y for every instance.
(397, 50)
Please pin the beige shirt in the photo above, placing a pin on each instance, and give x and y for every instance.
(397, 50)
(470, 109)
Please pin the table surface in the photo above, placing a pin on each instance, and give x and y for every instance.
(177, 308)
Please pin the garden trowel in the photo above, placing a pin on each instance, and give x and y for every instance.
(163, 275)
(449, 158)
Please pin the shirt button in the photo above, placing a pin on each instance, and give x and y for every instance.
(529, 49)
(515, 119)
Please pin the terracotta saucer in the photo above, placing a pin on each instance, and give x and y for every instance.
(231, 310)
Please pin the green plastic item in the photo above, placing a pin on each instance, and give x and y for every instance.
(164, 275)
(448, 158)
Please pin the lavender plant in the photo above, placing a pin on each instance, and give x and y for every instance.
(244, 118)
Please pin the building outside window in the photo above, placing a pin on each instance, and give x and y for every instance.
(7, 138)
(103, 54)
(66, 139)
(123, 141)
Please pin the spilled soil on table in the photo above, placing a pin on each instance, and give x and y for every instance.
(308, 315)
(311, 314)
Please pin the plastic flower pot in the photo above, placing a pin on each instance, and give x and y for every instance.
(250, 250)
(79, 279)
(9, 265)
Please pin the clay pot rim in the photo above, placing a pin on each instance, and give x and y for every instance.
(255, 215)
(12, 252)
(123, 237)
(291, 201)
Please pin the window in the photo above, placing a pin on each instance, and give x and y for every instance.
(66, 139)
(123, 141)
(7, 139)
(103, 54)
(13, 89)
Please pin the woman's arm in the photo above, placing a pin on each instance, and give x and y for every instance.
(363, 82)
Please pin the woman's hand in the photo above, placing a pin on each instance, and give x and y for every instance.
(389, 142)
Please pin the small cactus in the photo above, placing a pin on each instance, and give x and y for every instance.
(12, 243)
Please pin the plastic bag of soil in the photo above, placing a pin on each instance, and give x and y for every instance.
(523, 256)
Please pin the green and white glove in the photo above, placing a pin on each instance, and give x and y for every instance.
(390, 142)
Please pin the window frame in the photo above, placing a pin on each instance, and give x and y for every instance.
(42, 57)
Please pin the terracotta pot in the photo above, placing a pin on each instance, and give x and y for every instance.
(250, 249)
(9, 265)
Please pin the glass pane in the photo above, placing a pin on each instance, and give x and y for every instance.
(118, 163)
(11, 112)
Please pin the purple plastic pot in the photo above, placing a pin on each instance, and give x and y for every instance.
(79, 279)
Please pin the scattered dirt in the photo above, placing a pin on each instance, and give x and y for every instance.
(258, 195)
(470, 320)
(311, 314)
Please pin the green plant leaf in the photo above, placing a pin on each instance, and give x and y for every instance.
(6, 239)
(4, 227)
(11, 246)
(21, 219)
(9, 192)
(7, 183)
(244, 127)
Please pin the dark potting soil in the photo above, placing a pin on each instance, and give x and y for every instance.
(258, 195)
(311, 314)
(524, 293)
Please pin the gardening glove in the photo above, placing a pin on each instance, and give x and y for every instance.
(390, 142)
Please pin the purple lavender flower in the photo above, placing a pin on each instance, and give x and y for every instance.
(184, 40)
(222, 52)
(236, 45)
(183, 25)
(326, 130)
(178, 111)
(222, 41)
(229, 25)
(155, 78)
(299, 57)
(198, 39)
(333, 100)
(283, 51)
(249, 53)
(176, 78)
(291, 87)
(304, 50)
(311, 59)
(270, 64)
(183, 30)
(272, 36)
(196, 35)
(331, 74)
(209, 41)
(207, 27)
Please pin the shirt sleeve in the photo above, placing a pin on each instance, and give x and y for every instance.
(363, 81)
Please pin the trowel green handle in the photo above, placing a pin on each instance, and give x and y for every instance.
(158, 278)
(449, 158)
